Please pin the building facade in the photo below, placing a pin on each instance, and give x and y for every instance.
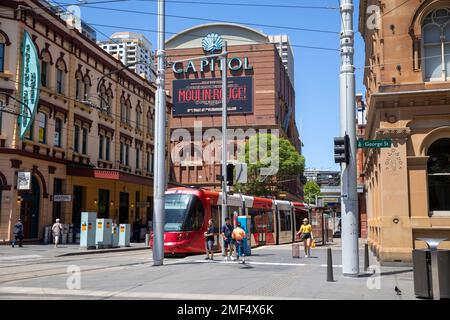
(260, 97)
(407, 82)
(283, 45)
(90, 146)
(130, 48)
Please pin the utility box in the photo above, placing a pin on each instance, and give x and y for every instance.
(245, 224)
(423, 282)
(124, 235)
(103, 234)
(115, 235)
(88, 231)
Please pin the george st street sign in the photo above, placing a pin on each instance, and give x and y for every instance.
(374, 143)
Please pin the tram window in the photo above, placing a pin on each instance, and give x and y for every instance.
(194, 219)
(285, 220)
(270, 227)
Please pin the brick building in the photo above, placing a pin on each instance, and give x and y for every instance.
(261, 94)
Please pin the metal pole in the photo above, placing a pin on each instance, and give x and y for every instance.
(224, 137)
(159, 183)
(349, 200)
(330, 277)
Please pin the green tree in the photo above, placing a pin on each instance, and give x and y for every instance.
(290, 166)
(311, 190)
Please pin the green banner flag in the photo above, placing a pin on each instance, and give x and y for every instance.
(30, 84)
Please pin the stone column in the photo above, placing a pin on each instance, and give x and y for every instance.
(395, 228)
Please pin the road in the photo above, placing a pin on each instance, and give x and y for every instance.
(270, 273)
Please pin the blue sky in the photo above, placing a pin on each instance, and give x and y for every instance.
(316, 71)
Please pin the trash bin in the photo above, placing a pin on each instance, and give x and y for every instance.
(423, 282)
(295, 250)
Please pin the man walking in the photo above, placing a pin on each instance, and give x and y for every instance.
(18, 233)
(239, 238)
(227, 231)
(56, 230)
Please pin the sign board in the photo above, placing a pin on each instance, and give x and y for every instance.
(30, 84)
(197, 97)
(23, 180)
(62, 198)
(375, 143)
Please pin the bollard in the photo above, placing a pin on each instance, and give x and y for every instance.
(366, 257)
(329, 266)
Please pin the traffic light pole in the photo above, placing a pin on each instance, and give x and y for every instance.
(159, 178)
(349, 196)
(224, 137)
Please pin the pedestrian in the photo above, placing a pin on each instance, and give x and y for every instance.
(57, 230)
(239, 237)
(227, 231)
(209, 238)
(306, 236)
(18, 233)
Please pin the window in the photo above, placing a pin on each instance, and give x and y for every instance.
(100, 147)
(42, 127)
(86, 88)
(2, 57)
(85, 136)
(123, 111)
(149, 161)
(150, 124)
(436, 45)
(58, 132)
(138, 155)
(103, 203)
(285, 220)
(1, 116)
(59, 81)
(44, 73)
(76, 143)
(138, 118)
(29, 134)
(439, 175)
(78, 89)
(108, 142)
(128, 114)
(122, 153)
(127, 154)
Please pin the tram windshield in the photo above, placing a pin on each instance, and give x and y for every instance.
(183, 212)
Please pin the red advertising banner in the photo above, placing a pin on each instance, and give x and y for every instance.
(204, 96)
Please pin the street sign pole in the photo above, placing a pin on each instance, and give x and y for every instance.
(159, 180)
(349, 200)
(224, 137)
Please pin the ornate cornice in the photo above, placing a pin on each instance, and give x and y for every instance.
(399, 134)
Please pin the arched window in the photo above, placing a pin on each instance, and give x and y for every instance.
(78, 86)
(436, 45)
(439, 175)
(60, 77)
(138, 117)
(150, 123)
(58, 132)
(45, 69)
(123, 110)
(86, 86)
(3, 44)
(103, 98)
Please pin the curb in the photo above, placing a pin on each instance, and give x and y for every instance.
(99, 251)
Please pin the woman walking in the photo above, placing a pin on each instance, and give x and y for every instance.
(306, 235)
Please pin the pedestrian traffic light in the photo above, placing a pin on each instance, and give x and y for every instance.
(341, 149)
(230, 173)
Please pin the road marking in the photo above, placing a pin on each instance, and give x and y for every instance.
(251, 262)
(334, 265)
(24, 257)
(135, 295)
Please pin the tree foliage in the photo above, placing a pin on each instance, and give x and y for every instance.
(290, 166)
(311, 190)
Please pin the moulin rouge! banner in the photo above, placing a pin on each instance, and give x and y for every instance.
(204, 96)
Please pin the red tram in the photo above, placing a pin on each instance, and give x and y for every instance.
(187, 212)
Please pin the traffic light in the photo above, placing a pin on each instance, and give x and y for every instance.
(341, 149)
(230, 173)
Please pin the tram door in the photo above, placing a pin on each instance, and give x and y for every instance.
(260, 221)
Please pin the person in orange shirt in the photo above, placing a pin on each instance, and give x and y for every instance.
(238, 236)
